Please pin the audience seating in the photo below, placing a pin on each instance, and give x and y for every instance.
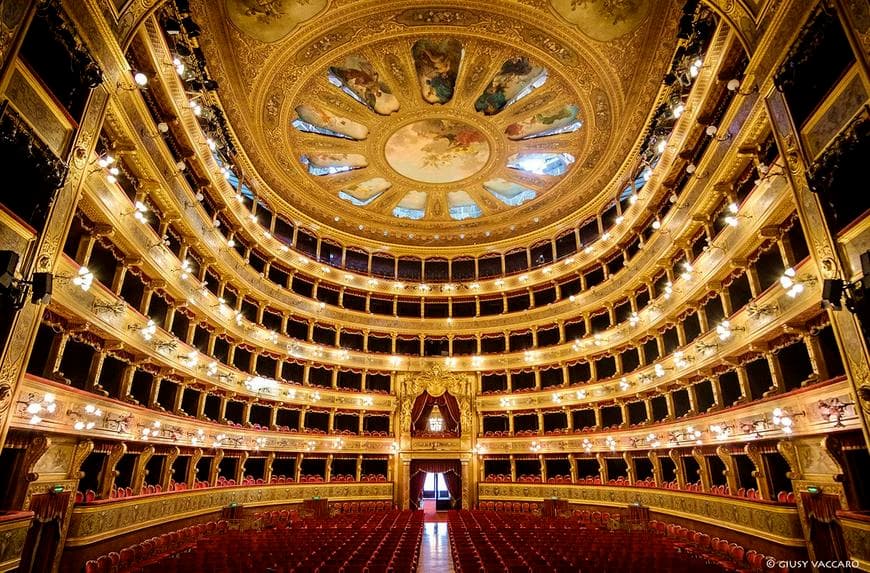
(485, 541)
(373, 542)
(155, 549)
(729, 556)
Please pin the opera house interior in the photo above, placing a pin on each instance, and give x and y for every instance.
(413, 285)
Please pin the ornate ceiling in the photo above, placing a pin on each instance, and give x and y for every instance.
(456, 123)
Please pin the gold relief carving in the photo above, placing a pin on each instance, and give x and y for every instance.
(12, 14)
(39, 111)
(190, 478)
(138, 478)
(427, 16)
(168, 472)
(272, 20)
(12, 537)
(436, 381)
(36, 448)
(759, 473)
(771, 522)
(56, 460)
(82, 450)
(834, 448)
(730, 467)
(109, 472)
(788, 451)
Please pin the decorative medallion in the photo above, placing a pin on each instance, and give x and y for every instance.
(437, 151)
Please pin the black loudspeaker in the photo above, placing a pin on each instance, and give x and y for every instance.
(832, 293)
(42, 285)
(8, 264)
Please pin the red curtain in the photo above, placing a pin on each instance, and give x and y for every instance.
(453, 481)
(423, 407)
(416, 493)
(452, 471)
(823, 507)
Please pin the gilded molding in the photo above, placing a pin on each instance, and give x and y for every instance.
(776, 523)
(91, 523)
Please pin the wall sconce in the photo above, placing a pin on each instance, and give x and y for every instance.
(705, 348)
(338, 444)
(784, 419)
(689, 435)
(756, 311)
(197, 437)
(795, 285)
(755, 427)
(724, 330)
(535, 446)
(165, 345)
(587, 445)
(113, 308)
(85, 419)
(610, 443)
(139, 212)
(834, 410)
(732, 218)
(633, 319)
(624, 384)
(35, 406)
(119, 423)
(687, 270)
(190, 360)
(681, 360)
(108, 164)
(721, 431)
(310, 445)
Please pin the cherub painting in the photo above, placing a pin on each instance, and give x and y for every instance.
(359, 79)
(517, 77)
(437, 63)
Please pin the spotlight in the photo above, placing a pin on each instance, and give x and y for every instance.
(832, 293)
(733, 85)
(172, 27)
(193, 29)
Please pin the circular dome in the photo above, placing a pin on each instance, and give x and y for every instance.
(449, 127)
(437, 150)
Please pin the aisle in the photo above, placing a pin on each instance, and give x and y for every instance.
(435, 551)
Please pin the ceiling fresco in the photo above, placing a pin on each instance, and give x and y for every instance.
(466, 121)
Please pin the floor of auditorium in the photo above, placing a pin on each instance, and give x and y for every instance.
(435, 551)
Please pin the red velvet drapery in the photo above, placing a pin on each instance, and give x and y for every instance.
(423, 405)
(452, 471)
(823, 507)
(416, 493)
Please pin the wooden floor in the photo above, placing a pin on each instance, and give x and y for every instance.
(435, 551)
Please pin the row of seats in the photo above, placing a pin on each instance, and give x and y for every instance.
(361, 506)
(154, 549)
(374, 542)
(275, 518)
(729, 556)
(484, 541)
(510, 506)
